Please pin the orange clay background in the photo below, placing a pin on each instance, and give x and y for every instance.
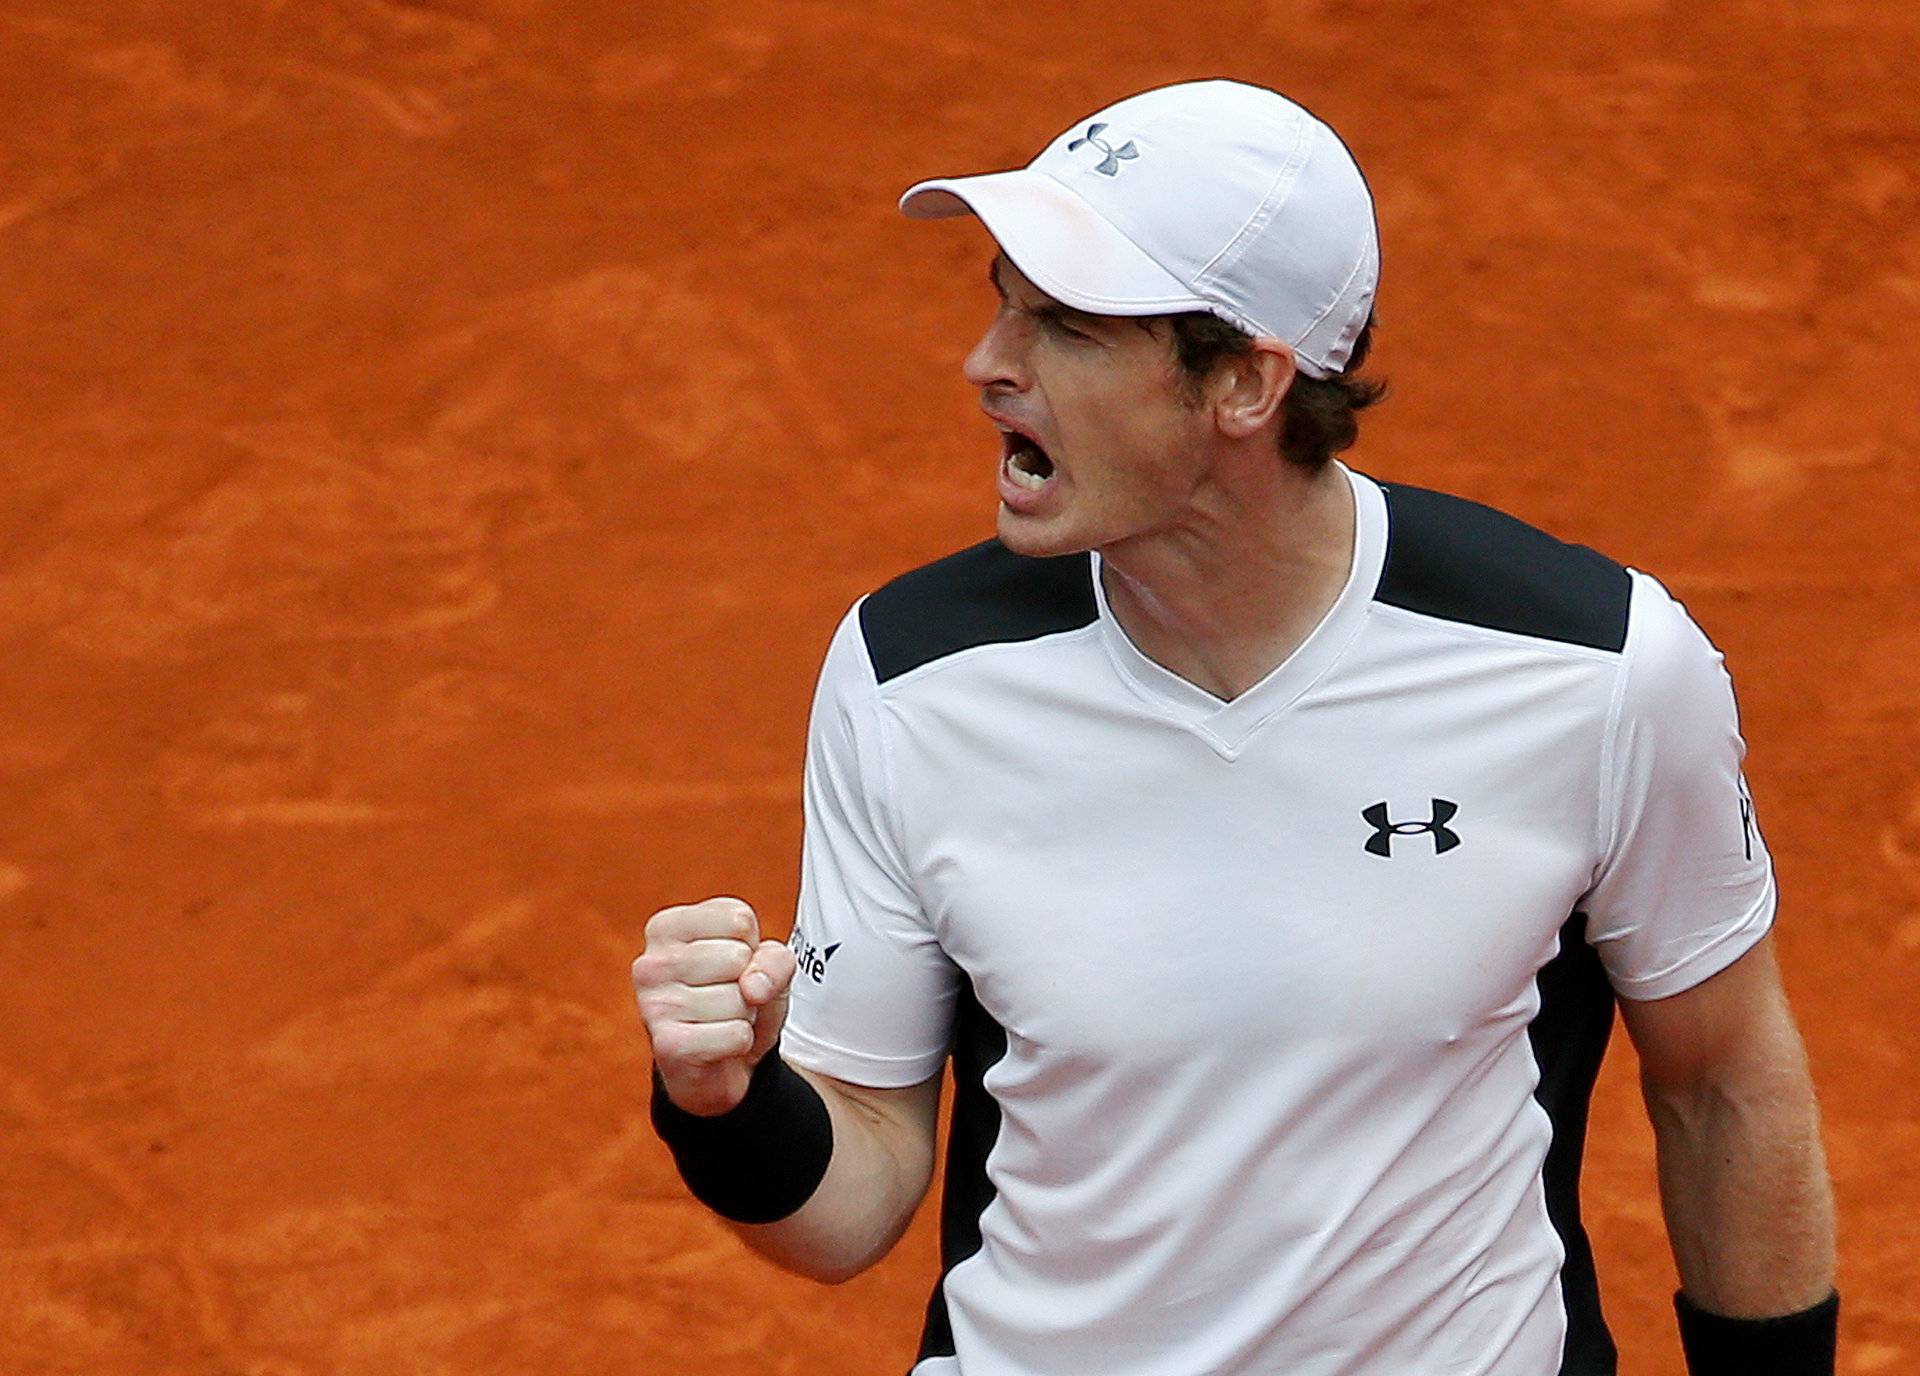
(438, 439)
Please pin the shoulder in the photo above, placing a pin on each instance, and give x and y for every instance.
(985, 595)
(1675, 674)
(1459, 561)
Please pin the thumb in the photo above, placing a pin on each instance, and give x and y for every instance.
(765, 984)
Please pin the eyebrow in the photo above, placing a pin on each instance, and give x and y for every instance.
(1052, 309)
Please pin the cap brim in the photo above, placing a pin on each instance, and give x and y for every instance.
(1059, 242)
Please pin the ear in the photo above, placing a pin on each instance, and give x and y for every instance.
(1248, 391)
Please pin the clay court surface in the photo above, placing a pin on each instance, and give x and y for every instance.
(440, 438)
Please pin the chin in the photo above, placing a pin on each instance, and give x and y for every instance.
(1037, 538)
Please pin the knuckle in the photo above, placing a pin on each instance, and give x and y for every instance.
(661, 923)
(697, 1055)
(649, 970)
(696, 1044)
(730, 1039)
(737, 913)
(778, 959)
(668, 1044)
(658, 1007)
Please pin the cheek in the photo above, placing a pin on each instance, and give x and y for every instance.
(1160, 443)
(1129, 416)
(1121, 425)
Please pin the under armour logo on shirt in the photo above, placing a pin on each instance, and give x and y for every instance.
(1445, 838)
(1110, 164)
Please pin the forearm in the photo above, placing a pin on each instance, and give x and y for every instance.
(815, 1174)
(1744, 1187)
(881, 1166)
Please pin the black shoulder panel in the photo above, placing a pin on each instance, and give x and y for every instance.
(986, 595)
(1460, 561)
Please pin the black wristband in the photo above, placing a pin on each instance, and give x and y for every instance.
(1799, 1344)
(760, 1160)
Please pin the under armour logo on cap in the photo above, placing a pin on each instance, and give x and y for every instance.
(1445, 838)
(1110, 164)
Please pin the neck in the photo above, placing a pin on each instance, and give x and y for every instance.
(1227, 595)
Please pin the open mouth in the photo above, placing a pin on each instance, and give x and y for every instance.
(1026, 462)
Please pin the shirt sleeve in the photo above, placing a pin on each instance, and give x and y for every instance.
(873, 999)
(1685, 885)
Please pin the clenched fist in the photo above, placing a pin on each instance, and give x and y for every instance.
(713, 996)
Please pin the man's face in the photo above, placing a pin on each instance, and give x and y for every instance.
(1100, 443)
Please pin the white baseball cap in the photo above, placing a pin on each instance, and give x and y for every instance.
(1206, 196)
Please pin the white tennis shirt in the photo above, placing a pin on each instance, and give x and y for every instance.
(1273, 1021)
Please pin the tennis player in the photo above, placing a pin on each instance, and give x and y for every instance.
(1266, 848)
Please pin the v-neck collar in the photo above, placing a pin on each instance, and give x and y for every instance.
(1228, 726)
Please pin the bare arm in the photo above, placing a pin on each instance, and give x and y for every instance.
(1743, 1179)
(883, 1149)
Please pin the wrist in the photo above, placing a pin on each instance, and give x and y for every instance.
(761, 1160)
(1798, 1344)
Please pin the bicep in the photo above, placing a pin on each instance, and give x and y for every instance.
(1732, 1026)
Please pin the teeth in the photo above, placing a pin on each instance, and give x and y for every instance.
(1025, 462)
(1033, 482)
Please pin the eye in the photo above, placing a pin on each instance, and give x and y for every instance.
(1058, 325)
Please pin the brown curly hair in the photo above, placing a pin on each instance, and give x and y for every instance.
(1321, 414)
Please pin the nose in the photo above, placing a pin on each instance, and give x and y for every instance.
(998, 361)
